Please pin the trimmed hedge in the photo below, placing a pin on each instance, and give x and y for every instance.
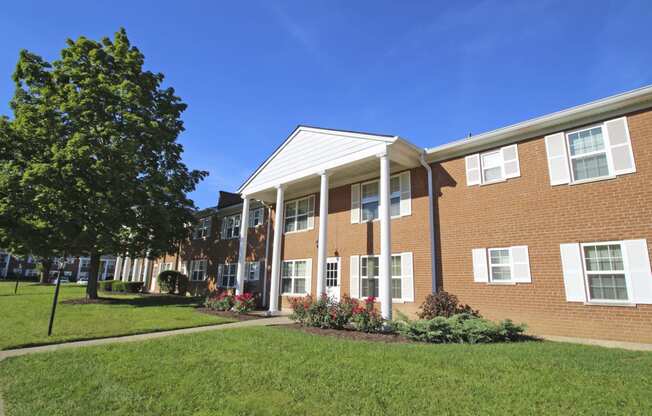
(105, 285)
(120, 286)
(171, 281)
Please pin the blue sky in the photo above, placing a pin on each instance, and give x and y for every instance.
(428, 71)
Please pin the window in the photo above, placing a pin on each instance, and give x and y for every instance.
(84, 264)
(500, 265)
(256, 217)
(492, 167)
(253, 270)
(166, 266)
(198, 269)
(369, 201)
(231, 226)
(605, 272)
(369, 273)
(229, 275)
(588, 154)
(299, 214)
(332, 273)
(295, 275)
(203, 228)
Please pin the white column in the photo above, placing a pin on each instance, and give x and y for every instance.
(276, 253)
(117, 271)
(79, 263)
(385, 260)
(8, 259)
(323, 234)
(106, 269)
(146, 272)
(126, 263)
(242, 252)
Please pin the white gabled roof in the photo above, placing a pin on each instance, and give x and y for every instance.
(310, 150)
(576, 116)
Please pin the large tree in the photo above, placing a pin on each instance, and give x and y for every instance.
(93, 147)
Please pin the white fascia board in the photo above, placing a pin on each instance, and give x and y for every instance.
(576, 116)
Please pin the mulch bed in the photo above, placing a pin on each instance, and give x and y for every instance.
(231, 315)
(349, 334)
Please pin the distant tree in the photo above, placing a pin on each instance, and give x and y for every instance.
(91, 157)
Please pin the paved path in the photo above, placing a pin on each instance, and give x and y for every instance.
(279, 320)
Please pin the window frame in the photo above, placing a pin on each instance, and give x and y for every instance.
(248, 271)
(231, 226)
(252, 217)
(606, 151)
(501, 165)
(202, 229)
(625, 272)
(510, 264)
(233, 275)
(393, 277)
(294, 277)
(392, 195)
(193, 269)
(296, 215)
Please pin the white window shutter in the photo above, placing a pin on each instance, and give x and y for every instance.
(260, 266)
(557, 159)
(406, 193)
(354, 277)
(472, 169)
(620, 145)
(311, 212)
(638, 267)
(223, 230)
(355, 203)
(480, 271)
(571, 263)
(220, 272)
(511, 166)
(521, 264)
(309, 276)
(407, 277)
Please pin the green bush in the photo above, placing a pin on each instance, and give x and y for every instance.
(366, 318)
(126, 287)
(444, 304)
(326, 312)
(105, 285)
(171, 280)
(220, 301)
(183, 284)
(461, 328)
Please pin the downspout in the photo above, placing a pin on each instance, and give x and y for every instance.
(269, 226)
(431, 212)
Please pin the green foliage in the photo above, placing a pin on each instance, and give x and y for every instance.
(90, 161)
(244, 303)
(326, 312)
(126, 287)
(170, 280)
(462, 328)
(106, 285)
(183, 284)
(443, 304)
(366, 318)
(220, 301)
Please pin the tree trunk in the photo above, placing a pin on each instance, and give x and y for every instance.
(45, 271)
(93, 272)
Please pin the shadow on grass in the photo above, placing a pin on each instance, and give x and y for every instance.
(139, 301)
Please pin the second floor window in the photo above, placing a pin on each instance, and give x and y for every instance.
(227, 275)
(256, 217)
(299, 214)
(203, 228)
(588, 154)
(231, 226)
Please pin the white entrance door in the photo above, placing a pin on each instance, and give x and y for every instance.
(333, 277)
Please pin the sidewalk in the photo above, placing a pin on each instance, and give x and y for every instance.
(279, 320)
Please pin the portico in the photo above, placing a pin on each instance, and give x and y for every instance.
(312, 161)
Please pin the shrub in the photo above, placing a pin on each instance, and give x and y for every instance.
(324, 312)
(105, 285)
(183, 284)
(168, 281)
(126, 287)
(365, 317)
(244, 303)
(461, 328)
(118, 286)
(300, 308)
(444, 304)
(219, 302)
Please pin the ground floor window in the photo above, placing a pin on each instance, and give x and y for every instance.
(294, 277)
(370, 272)
(252, 270)
(228, 275)
(198, 269)
(605, 272)
(500, 265)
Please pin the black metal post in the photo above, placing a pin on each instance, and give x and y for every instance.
(54, 302)
(17, 280)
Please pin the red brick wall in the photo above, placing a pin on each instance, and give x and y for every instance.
(529, 211)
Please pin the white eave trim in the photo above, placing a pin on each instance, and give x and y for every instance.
(576, 116)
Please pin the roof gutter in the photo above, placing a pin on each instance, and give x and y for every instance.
(431, 218)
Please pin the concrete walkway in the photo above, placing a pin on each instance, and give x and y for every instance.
(279, 320)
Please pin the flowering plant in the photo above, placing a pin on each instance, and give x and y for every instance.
(365, 317)
(244, 303)
(300, 308)
(219, 301)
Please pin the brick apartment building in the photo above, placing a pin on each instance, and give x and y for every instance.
(545, 222)
(70, 268)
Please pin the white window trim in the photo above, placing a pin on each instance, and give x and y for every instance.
(227, 228)
(248, 271)
(502, 178)
(398, 193)
(367, 256)
(252, 215)
(193, 263)
(608, 302)
(202, 229)
(308, 277)
(223, 267)
(510, 264)
(606, 151)
(296, 205)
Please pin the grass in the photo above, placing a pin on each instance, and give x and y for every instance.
(24, 317)
(271, 371)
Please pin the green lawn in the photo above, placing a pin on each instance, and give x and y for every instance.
(24, 317)
(280, 371)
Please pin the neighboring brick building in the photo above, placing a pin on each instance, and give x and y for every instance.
(74, 268)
